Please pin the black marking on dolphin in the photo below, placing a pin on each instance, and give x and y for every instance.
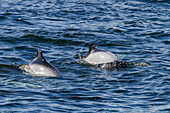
(91, 48)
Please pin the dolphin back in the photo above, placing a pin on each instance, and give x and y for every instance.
(41, 67)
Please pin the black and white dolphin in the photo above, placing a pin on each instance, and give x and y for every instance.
(97, 56)
(102, 58)
(40, 67)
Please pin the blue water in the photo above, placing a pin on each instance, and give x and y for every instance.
(135, 30)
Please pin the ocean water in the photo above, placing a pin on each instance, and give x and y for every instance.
(134, 30)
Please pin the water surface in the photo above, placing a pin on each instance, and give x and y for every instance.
(135, 30)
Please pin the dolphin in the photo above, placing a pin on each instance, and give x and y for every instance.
(40, 67)
(105, 59)
(97, 56)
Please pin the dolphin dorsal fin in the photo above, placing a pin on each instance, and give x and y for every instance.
(40, 56)
(91, 48)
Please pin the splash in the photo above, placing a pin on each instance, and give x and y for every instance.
(26, 69)
(116, 64)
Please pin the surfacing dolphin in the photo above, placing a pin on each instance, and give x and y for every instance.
(97, 56)
(104, 59)
(40, 67)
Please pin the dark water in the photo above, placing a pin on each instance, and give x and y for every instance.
(135, 30)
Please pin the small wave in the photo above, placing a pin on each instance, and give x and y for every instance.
(22, 21)
(166, 42)
(30, 36)
(2, 17)
(138, 63)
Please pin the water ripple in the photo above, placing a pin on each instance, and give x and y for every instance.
(135, 30)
